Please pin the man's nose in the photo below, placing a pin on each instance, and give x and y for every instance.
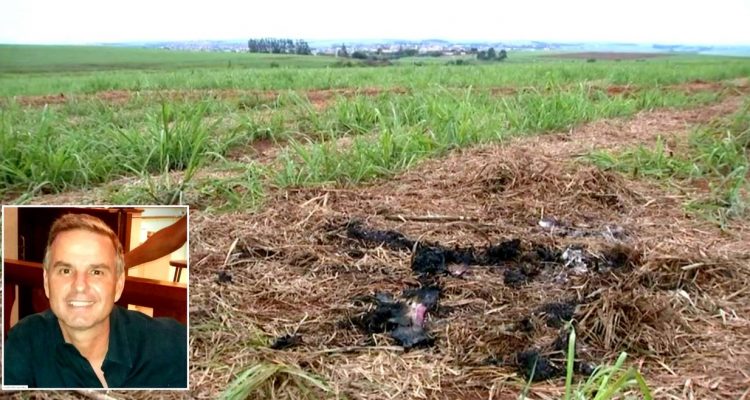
(81, 281)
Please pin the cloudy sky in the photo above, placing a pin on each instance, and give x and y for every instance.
(634, 21)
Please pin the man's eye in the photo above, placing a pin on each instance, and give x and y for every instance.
(65, 271)
(96, 272)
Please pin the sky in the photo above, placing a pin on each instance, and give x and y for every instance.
(622, 21)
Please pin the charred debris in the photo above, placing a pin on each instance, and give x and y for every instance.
(522, 262)
(404, 316)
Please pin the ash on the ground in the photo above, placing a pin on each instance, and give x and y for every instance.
(404, 319)
(286, 341)
(224, 277)
(520, 264)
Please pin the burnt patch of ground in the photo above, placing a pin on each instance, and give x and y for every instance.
(557, 314)
(286, 342)
(522, 262)
(391, 239)
(536, 367)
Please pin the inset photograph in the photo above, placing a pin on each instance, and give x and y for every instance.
(95, 297)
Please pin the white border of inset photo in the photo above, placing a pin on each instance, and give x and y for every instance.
(151, 221)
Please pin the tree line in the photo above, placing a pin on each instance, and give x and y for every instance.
(491, 54)
(278, 46)
(487, 55)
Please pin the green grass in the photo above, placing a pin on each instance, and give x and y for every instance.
(716, 153)
(38, 70)
(73, 59)
(410, 128)
(241, 188)
(269, 379)
(47, 150)
(605, 383)
(85, 141)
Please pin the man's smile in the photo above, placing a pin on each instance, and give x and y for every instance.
(80, 303)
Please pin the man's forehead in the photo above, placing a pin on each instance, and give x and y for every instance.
(82, 241)
(82, 234)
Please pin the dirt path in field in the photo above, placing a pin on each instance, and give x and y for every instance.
(265, 150)
(321, 98)
(318, 97)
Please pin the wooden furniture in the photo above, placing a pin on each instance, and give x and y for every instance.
(178, 265)
(168, 299)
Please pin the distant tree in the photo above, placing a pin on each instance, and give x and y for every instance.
(360, 55)
(491, 54)
(481, 55)
(303, 48)
(402, 52)
(278, 46)
(502, 55)
(342, 51)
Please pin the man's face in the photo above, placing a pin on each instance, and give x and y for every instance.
(82, 283)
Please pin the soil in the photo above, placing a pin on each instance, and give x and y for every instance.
(246, 99)
(321, 98)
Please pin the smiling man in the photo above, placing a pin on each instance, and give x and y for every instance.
(84, 340)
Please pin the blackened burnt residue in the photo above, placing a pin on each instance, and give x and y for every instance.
(557, 313)
(412, 337)
(514, 277)
(536, 367)
(505, 251)
(461, 255)
(402, 320)
(391, 239)
(560, 347)
(546, 254)
(386, 316)
(433, 258)
(224, 277)
(525, 325)
(286, 341)
(519, 275)
(428, 260)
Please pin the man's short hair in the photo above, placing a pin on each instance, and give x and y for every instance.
(70, 222)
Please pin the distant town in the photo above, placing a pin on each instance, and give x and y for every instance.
(437, 47)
